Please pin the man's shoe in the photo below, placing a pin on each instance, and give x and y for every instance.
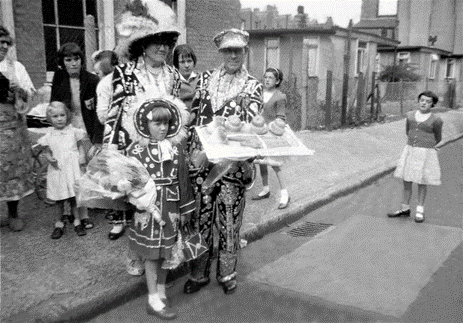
(80, 230)
(229, 287)
(115, 236)
(399, 213)
(165, 314)
(193, 287)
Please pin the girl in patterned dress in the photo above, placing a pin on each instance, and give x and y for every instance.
(161, 125)
(419, 162)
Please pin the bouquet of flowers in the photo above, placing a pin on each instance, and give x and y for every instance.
(112, 179)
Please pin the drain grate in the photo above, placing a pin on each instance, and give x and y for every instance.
(308, 229)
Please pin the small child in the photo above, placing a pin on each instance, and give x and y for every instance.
(65, 155)
(419, 162)
(162, 125)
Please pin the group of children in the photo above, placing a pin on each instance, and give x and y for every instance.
(418, 162)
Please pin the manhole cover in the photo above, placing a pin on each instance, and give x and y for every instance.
(308, 229)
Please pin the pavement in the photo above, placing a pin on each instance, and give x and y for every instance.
(44, 280)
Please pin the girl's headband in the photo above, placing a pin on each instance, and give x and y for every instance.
(278, 72)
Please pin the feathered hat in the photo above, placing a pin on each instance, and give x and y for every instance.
(177, 126)
(144, 18)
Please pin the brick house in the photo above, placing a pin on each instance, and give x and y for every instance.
(430, 34)
(39, 27)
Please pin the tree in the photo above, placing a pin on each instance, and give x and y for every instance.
(399, 72)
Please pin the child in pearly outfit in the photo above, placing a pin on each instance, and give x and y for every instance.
(419, 162)
(65, 155)
(162, 125)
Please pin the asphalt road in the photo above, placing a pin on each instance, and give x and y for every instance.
(440, 300)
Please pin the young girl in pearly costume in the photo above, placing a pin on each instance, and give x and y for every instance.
(161, 123)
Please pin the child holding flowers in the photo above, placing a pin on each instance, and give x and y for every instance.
(162, 125)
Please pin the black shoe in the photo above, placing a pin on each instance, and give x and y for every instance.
(58, 232)
(87, 223)
(80, 230)
(284, 205)
(165, 314)
(115, 236)
(261, 197)
(193, 287)
(399, 213)
(229, 287)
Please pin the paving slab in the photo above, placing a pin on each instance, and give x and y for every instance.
(373, 264)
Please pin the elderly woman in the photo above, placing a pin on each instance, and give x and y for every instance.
(76, 87)
(225, 91)
(145, 41)
(16, 180)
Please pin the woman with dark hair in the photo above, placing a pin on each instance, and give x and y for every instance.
(145, 41)
(16, 180)
(185, 61)
(76, 88)
(274, 109)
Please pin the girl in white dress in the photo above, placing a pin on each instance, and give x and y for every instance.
(419, 162)
(65, 155)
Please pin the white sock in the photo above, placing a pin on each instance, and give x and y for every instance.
(420, 208)
(59, 224)
(284, 196)
(162, 290)
(117, 228)
(265, 190)
(76, 222)
(405, 207)
(155, 301)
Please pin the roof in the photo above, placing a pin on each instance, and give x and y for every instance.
(377, 23)
(416, 49)
(320, 29)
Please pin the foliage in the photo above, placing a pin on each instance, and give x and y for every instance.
(293, 109)
(399, 72)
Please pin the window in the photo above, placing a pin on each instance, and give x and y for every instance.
(311, 45)
(433, 66)
(272, 53)
(449, 73)
(63, 22)
(361, 52)
(403, 57)
(387, 8)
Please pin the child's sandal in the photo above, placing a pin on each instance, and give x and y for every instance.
(58, 232)
(419, 217)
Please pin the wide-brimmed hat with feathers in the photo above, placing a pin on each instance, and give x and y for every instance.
(144, 18)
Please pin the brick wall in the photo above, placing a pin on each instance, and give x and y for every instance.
(203, 21)
(30, 45)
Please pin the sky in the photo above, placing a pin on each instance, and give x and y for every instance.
(340, 10)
